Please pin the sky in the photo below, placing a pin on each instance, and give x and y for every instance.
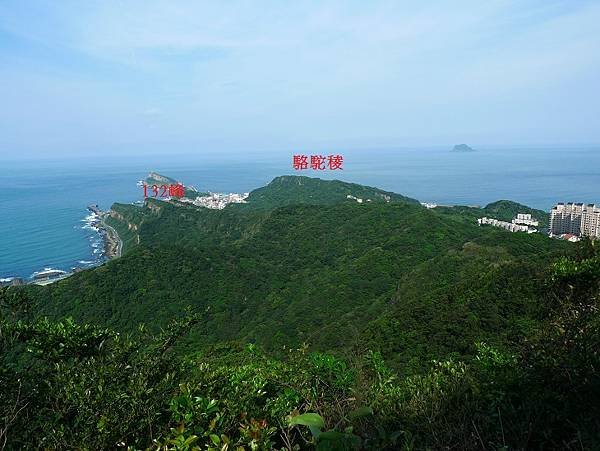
(174, 76)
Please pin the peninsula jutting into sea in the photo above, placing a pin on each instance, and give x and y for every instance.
(47, 230)
(570, 221)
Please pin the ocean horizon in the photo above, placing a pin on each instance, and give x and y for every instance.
(44, 222)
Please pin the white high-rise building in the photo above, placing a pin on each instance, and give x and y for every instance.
(575, 218)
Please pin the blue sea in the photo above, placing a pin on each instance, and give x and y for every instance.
(44, 222)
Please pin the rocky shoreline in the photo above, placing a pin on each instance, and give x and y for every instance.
(112, 242)
(113, 245)
(112, 248)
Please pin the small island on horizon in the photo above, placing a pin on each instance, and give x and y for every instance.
(462, 148)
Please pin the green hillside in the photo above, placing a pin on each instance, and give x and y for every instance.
(294, 190)
(380, 324)
(275, 273)
(504, 210)
(277, 277)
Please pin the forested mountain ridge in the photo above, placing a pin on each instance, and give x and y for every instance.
(294, 190)
(313, 324)
(280, 192)
(278, 275)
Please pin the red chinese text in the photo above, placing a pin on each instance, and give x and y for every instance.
(318, 162)
(177, 190)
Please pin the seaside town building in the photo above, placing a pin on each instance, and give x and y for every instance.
(510, 226)
(525, 219)
(575, 219)
(522, 223)
(216, 201)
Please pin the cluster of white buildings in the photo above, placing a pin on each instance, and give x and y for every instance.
(217, 201)
(570, 221)
(525, 219)
(510, 226)
(575, 219)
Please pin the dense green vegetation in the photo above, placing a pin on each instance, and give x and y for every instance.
(277, 278)
(295, 190)
(319, 322)
(66, 385)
